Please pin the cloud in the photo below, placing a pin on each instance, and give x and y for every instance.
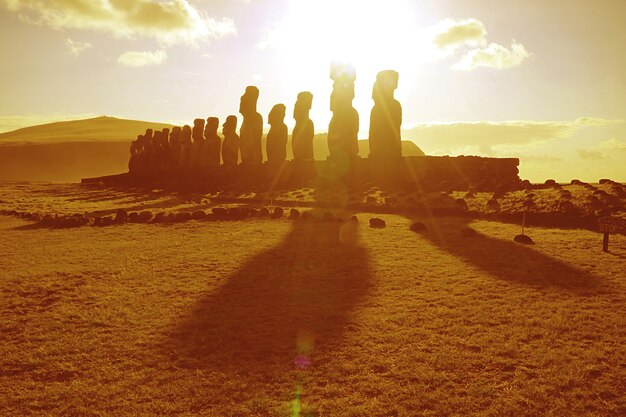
(613, 145)
(142, 58)
(493, 56)
(454, 33)
(169, 22)
(76, 48)
(590, 154)
(598, 122)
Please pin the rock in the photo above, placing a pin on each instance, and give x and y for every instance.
(47, 221)
(107, 221)
(121, 216)
(371, 199)
(159, 218)
(264, 212)
(418, 227)
(391, 200)
(278, 213)
(566, 206)
(527, 185)
(461, 204)
(307, 215)
(493, 205)
(524, 240)
(133, 217)
(605, 181)
(198, 215)
(293, 214)
(377, 223)
(97, 221)
(468, 232)
(237, 213)
(328, 216)
(219, 212)
(145, 217)
(354, 219)
(550, 183)
(576, 182)
(529, 204)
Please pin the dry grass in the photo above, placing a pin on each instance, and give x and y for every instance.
(221, 318)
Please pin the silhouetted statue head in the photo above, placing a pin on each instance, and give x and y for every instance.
(186, 135)
(198, 130)
(343, 75)
(175, 136)
(247, 105)
(385, 85)
(165, 134)
(303, 105)
(230, 125)
(277, 114)
(210, 129)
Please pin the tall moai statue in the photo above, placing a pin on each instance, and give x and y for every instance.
(134, 154)
(344, 126)
(163, 153)
(251, 130)
(230, 147)
(304, 130)
(198, 158)
(213, 142)
(186, 148)
(386, 117)
(277, 136)
(175, 147)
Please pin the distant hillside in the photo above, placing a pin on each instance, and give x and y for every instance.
(69, 151)
(99, 129)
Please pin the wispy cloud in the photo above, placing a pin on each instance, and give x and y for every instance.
(142, 58)
(493, 56)
(169, 22)
(76, 48)
(451, 34)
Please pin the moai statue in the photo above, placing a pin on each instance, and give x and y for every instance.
(144, 151)
(344, 126)
(164, 150)
(153, 152)
(386, 117)
(251, 130)
(230, 147)
(198, 153)
(134, 154)
(186, 148)
(175, 147)
(277, 136)
(303, 132)
(213, 142)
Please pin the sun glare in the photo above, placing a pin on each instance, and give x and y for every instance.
(371, 35)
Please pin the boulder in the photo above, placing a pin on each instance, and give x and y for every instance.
(493, 205)
(278, 213)
(605, 181)
(133, 217)
(524, 240)
(418, 227)
(264, 212)
(354, 219)
(219, 212)
(307, 215)
(468, 232)
(377, 223)
(145, 217)
(328, 216)
(198, 215)
(121, 216)
(293, 214)
(550, 183)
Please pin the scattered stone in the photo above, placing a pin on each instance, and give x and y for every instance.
(182, 217)
(264, 212)
(121, 216)
(160, 217)
(493, 205)
(219, 212)
(468, 232)
(278, 213)
(377, 223)
(198, 215)
(418, 227)
(529, 204)
(566, 206)
(145, 217)
(133, 217)
(524, 240)
(107, 221)
(97, 221)
(47, 221)
(293, 214)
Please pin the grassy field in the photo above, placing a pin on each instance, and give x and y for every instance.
(280, 318)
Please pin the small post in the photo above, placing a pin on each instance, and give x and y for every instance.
(523, 223)
(605, 242)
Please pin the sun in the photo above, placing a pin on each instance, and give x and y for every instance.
(371, 35)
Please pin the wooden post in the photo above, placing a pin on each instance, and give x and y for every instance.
(605, 242)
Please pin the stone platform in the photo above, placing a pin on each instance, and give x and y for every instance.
(416, 172)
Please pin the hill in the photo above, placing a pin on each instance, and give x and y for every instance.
(99, 129)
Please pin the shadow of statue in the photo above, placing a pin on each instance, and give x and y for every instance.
(307, 285)
(507, 260)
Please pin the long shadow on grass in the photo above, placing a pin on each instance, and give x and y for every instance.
(300, 292)
(508, 260)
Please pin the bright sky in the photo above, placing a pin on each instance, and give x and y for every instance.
(543, 80)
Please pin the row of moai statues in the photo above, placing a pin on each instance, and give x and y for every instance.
(201, 146)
